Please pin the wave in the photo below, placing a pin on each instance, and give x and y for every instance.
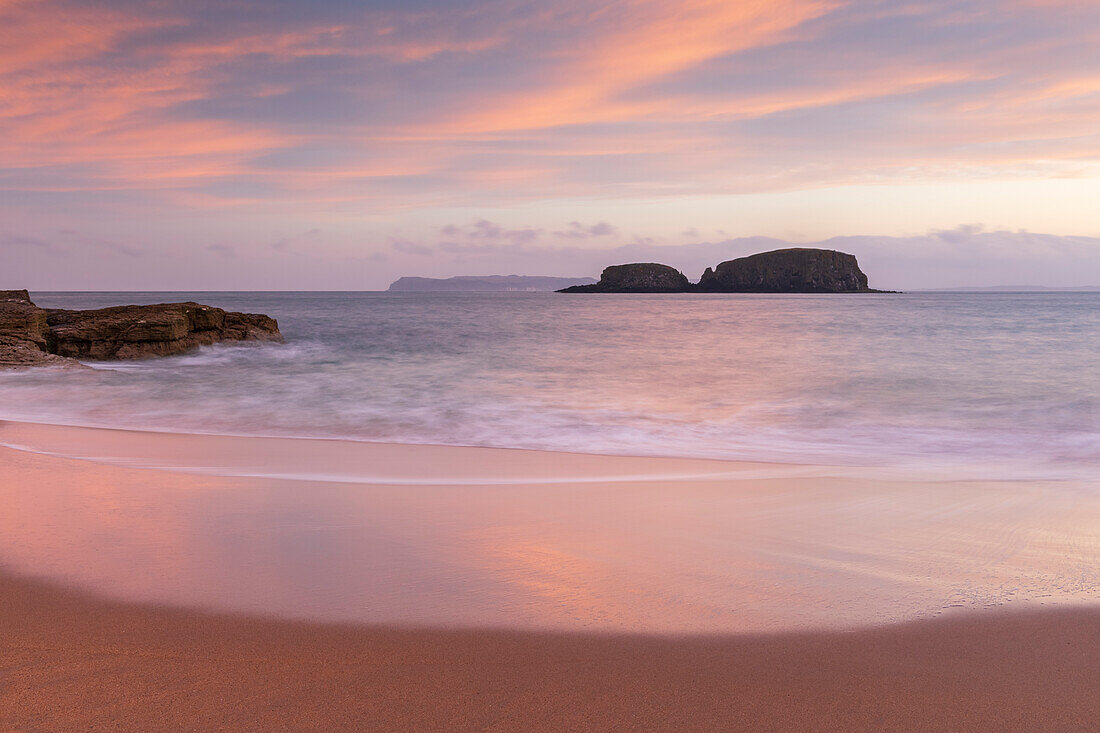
(938, 381)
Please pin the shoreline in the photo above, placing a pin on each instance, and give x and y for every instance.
(431, 535)
(490, 589)
(689, 466)
(69, 660)
(205, 453)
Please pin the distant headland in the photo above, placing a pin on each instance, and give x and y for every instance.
(486, 283)
(794, 270)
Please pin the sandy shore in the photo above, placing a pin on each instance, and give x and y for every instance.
(436, 536)
(183, 582)
(68, 662)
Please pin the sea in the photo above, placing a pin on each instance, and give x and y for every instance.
(989, 385)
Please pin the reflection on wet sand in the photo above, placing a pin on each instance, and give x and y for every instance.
(729, 552)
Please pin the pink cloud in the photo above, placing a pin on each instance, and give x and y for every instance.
(495, 101)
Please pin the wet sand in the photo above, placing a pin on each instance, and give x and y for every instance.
(68, 662)
(528, 539)
(164, 581)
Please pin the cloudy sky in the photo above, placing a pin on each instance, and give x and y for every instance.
(335, 144)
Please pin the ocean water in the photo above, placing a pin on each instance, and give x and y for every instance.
(998, 384)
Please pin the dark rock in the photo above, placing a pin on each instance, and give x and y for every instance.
(638, 277)
(31, 335)
(135, 331)
(18, 353)
(23, 321)
(21, 296)
(24, 332)
(250, 327)
(796, 270)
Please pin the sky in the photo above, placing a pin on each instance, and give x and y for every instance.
(334, 144)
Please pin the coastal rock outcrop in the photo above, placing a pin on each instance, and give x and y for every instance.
(24, 332)
(19, 296)
(637, 277)
(31, 336)
(795, 270)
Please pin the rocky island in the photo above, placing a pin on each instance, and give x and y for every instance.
(33, 336)
(638, 277)
(793, 270)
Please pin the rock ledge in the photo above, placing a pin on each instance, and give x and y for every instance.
(33, 336)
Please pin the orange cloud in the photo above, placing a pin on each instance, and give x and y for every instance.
(643, 41)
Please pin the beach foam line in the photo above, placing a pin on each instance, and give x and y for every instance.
(346, 461)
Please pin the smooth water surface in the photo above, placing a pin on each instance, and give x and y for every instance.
(1006, 383)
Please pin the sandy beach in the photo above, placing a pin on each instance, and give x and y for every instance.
(251, 583)
(68, 662)
(645, 365)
